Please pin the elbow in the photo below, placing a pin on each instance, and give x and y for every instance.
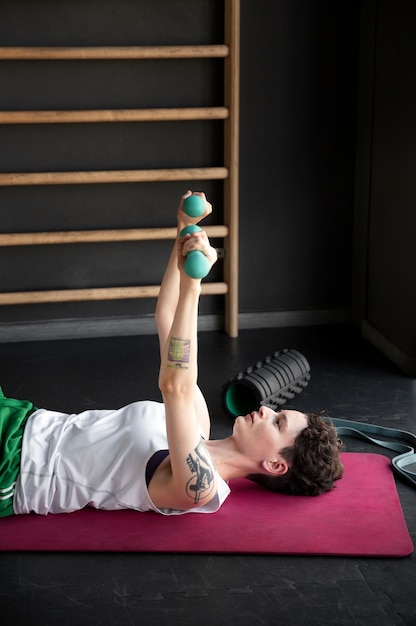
(172, 386)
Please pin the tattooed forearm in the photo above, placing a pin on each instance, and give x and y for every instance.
(201, 484)
(178, 353)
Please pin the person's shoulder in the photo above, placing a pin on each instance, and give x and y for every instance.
(166, 495)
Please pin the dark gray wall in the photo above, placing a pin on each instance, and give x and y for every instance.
(298, 107)
(392, 291)
(386, 193)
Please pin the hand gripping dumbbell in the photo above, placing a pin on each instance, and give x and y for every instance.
(196, 264)
(270, 382)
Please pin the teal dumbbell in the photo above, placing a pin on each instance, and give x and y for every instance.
(196, 263)
(194, 206)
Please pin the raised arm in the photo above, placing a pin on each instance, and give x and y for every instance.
(192, 479)
(169, 289)
(168, 301)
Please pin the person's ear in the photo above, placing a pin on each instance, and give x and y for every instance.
(277, 467)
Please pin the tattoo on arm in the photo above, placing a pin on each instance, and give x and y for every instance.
(178, 353)
(201, 484)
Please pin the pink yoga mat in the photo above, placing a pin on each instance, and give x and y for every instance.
(361, 517)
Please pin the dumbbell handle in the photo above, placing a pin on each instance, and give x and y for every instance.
(196, 264)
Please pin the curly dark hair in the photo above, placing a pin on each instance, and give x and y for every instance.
(314, 461)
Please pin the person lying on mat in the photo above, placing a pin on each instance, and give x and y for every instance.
(158, 456)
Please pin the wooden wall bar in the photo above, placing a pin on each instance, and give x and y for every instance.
(102, 293)
(228, 171)
(113, 115)
(112, 176)
(99, 236)
(112, 52)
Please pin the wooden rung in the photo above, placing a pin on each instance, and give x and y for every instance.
(113, 176)
(113, 115)
(104, 293)
(113, 52)
(100, 236)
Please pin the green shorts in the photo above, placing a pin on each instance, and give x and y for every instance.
(13, 417)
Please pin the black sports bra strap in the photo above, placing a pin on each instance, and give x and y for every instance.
(154, 462)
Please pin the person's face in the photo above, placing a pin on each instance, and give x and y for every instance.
(263, 433)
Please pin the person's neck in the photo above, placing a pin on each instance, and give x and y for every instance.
(229, 461)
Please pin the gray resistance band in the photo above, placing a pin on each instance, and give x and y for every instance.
(401, 463)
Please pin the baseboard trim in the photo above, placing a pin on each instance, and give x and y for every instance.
(89, 328)
(49, 330)
(281, 319)
(399, 357)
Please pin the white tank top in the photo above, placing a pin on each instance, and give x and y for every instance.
(96, 458)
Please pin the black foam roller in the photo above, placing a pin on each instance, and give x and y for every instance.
(271, 382)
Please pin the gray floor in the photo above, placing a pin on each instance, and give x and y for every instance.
(349, 379)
